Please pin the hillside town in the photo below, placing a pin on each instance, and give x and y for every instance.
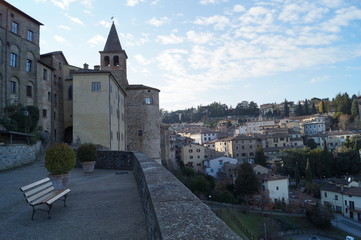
(290, 158)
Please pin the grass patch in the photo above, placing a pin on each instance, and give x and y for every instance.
(252, 225)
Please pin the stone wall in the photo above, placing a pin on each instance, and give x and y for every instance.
(18, 154)
(172, 210)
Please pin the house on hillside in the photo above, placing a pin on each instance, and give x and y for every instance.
(344, 196)
(275, 186)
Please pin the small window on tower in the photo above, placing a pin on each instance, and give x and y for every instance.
(115, 61)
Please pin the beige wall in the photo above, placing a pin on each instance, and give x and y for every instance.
(193, 156)
(95, 112)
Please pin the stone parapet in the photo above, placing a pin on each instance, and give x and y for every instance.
(172, 210)
(18, 154)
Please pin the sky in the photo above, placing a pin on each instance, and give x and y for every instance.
(197, 52)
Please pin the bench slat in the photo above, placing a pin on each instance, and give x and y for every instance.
(34, 184)
(39, 194)
(51, 200)
(43, 198)
(37, 189)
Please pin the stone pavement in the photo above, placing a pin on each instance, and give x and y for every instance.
(102, 205)
(347, 225)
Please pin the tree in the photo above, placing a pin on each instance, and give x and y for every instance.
(260, 158)
(286, 109)
(306, 109)
(246, 181)
(320, 216)
(308, 171)
(322, 107)
(311, 143)
(297, 174)
(313, 108)
(299, 109)
(354, 108)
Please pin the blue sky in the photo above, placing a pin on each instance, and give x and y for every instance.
(200, 51)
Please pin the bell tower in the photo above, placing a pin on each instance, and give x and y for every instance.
(113, 58)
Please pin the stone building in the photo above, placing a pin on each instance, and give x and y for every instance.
(109, 111)
(19, 55)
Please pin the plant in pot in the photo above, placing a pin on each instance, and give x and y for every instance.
(59, 160)
(87, 155)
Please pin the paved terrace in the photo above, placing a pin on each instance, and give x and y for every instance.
(128, 197)
(102, 205)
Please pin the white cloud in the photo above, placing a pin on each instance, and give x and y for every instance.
(142, 60)
(170, 39)
(88, 3)
(59, 39)
(218, 21)
(257, 15)
(96, 40)
(105, 23)
(238, 8)
(64, 27)
(155, 2)
(319, 79)
(132, 3)
(63, 4)
(343, 18)
(203, 37)
(158, 21)
(205, 2)
(74, 19)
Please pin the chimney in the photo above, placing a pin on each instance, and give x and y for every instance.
(86, 66)
(97, 67)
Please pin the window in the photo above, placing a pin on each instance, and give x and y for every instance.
(29, 91)
(325, 194)
(198, 150)
(140, 133)
(336, 197)
(115, 61)
(45, 113)
(45, 74)
(96, 86)
(49, 96)
(30, 36)
(191, 157)
(13, 59)
(147, 100)
(15, 27)
(277, 188)
(190, 150)
(12, 87)
(55, 99)
(70, 92)
(28, 65)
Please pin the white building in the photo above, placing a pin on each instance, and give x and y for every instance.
(253, 127)
(204, 136)
(314, 125)
(344, 197)
(275, 186)
(215, 166)
(333, 139)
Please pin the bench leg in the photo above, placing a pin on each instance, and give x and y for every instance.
(32, 215)
(49, 208)
(65, 196)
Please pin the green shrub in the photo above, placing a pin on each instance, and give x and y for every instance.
(59, 158)
(87, 152)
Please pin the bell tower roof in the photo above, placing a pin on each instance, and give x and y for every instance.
(113, 43)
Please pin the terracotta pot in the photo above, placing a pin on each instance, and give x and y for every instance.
(88, 167)
(60, 182)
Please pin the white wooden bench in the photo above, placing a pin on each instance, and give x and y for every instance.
(43, 192)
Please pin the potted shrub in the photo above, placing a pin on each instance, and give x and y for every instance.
(87, 155)
(59, 160)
